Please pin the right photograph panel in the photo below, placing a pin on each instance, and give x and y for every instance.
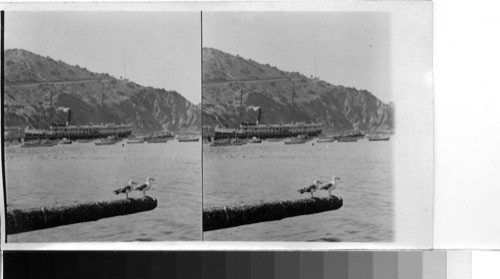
(299, 126)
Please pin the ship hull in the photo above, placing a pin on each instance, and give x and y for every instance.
(78, 132)
(269, 131)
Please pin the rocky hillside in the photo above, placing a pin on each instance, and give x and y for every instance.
(227, 78)
(93, 98)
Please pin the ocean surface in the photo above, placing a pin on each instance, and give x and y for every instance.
(66, 174)
(274, 171)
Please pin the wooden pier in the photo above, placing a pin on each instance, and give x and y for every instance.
(216, 218)
(30, 219)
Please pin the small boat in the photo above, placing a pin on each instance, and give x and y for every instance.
(188, 139)
(298, 140)
(85, 140)
(44, 143)
(159, 138)
(325, 139)
(347, 139)
(353, 134)
(255, 140)
(232, 142)
(135, 140)
(108, 141)
(65, 141)
(274, 139)
(295, 141)
(378, 138)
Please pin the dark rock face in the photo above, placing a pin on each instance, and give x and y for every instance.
(93, 98)
(227, 78)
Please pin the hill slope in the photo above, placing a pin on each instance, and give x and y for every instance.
(30, 79)
(226, 78)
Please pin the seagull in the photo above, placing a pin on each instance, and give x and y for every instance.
(311, 188)
(146, 186)
(332, 185)
(126, 189)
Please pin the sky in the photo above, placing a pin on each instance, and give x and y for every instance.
(158, 49)
(350, 48)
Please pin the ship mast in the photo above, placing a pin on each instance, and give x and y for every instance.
(50, 113)
(102, 108)
(241, 105)
(235, 122)
(293, 100)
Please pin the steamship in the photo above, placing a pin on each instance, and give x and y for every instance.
(265, 131)
(270, 131)
(75, 132)
(247, 130)
(258, 130)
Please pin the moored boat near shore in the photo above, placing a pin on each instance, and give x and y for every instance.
(324, 140)
(347, 139)
(231, 142)
(42, 143)
(65, 141)
(135, 140)
(188, 139)
(255, 140)
(85, 140)
(159, 138)
(108, 141)
(378, 138)
(297, 140)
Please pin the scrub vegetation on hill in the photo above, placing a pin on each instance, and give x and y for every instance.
(227, 78)
(94, 98)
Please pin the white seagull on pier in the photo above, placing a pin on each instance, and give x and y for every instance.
(126, 189)
(311, 188)
(332, 185)
(146, 186)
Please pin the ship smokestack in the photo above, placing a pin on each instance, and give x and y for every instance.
(68, 120)
(259, 115)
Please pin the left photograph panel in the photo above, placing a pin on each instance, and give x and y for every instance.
(102, 126)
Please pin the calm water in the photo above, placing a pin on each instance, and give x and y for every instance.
(274, 171)
(85, 172)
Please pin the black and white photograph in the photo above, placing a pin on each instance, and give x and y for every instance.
(264, 137)
(213, 126)
(102, 119)
(298, 127)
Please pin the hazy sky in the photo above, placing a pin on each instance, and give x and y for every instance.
(161, 49)
(352, 49)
